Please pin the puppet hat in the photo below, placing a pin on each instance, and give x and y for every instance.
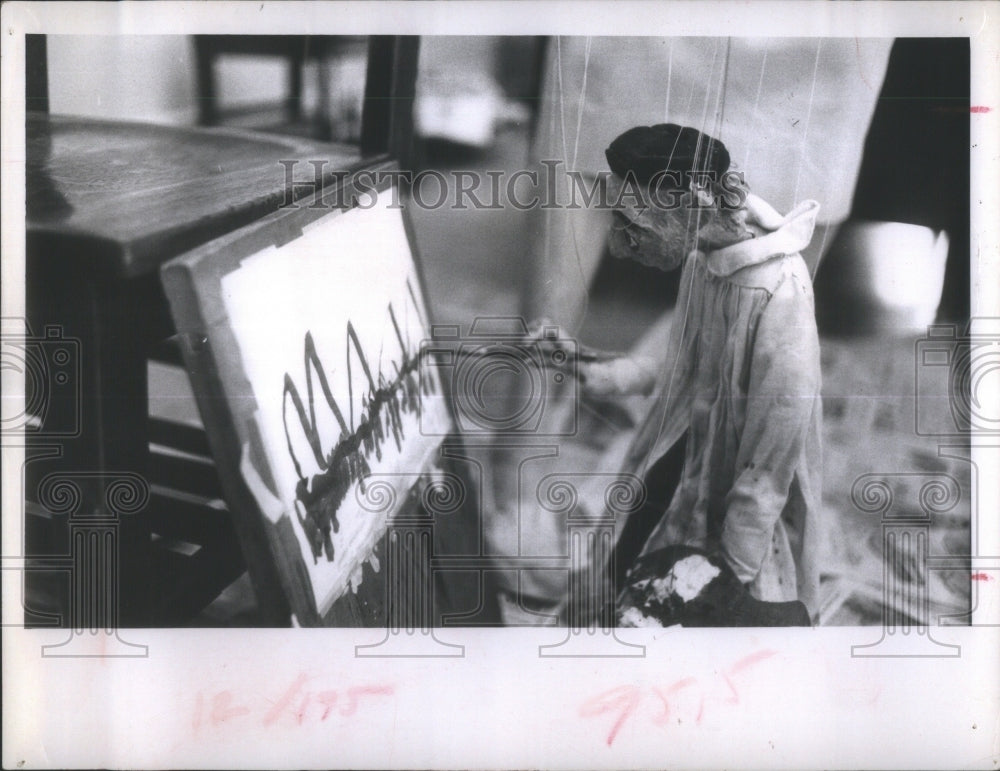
(646, 150)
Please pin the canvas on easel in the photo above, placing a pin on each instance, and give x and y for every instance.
(302, 336)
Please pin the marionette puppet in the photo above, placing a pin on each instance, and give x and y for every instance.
(730, 451)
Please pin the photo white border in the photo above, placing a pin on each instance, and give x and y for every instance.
(807, 703)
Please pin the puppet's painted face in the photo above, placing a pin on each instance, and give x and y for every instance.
(661, 232)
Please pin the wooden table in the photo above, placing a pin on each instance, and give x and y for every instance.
(107, 203)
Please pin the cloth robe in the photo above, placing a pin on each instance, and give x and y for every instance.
(742, 381)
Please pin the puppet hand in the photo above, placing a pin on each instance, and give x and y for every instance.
(544, 328)
(550, 337)
(623, 376)
(597, 379)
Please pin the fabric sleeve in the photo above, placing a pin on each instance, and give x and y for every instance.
(783, 392)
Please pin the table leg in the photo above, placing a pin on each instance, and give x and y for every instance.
(96, 488)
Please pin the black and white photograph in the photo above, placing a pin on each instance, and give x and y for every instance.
(501, 385)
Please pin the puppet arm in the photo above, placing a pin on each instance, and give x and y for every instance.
(601, 373)
(621, 376)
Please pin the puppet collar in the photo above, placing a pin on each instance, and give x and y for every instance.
(775, 235)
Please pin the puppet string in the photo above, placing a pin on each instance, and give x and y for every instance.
(805, 131)
(581, 104)
(719, 101)
(670, 76)
(697, 150)
(756, 109)
(687, 293)
(687, 108)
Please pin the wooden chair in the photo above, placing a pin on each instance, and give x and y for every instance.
(295, 51)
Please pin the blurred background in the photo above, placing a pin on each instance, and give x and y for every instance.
(876, 130)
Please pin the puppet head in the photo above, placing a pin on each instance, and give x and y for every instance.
(673, 191)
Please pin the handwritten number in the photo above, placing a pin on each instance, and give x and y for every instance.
(327, 699)
(283, 703)
(680, 685)
(735, 698)
(295, 701)
(354, 696)
(221, 709)
(749, 661)
(624, 700)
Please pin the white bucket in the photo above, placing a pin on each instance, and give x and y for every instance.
(892, 270)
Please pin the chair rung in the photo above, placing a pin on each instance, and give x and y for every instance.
(167, 351)
(189, 520)
(189, 439)
(187, 475)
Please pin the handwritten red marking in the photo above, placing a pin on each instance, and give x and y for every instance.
(354, 696)
(735, 698)
(624, 700)
(981, 577)
(327, 699)
(980, 108)
(749, 661)
(297, 701)
(282, 704)
(301, 714)
(624, 697)
(221, 711)
(674, 688)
